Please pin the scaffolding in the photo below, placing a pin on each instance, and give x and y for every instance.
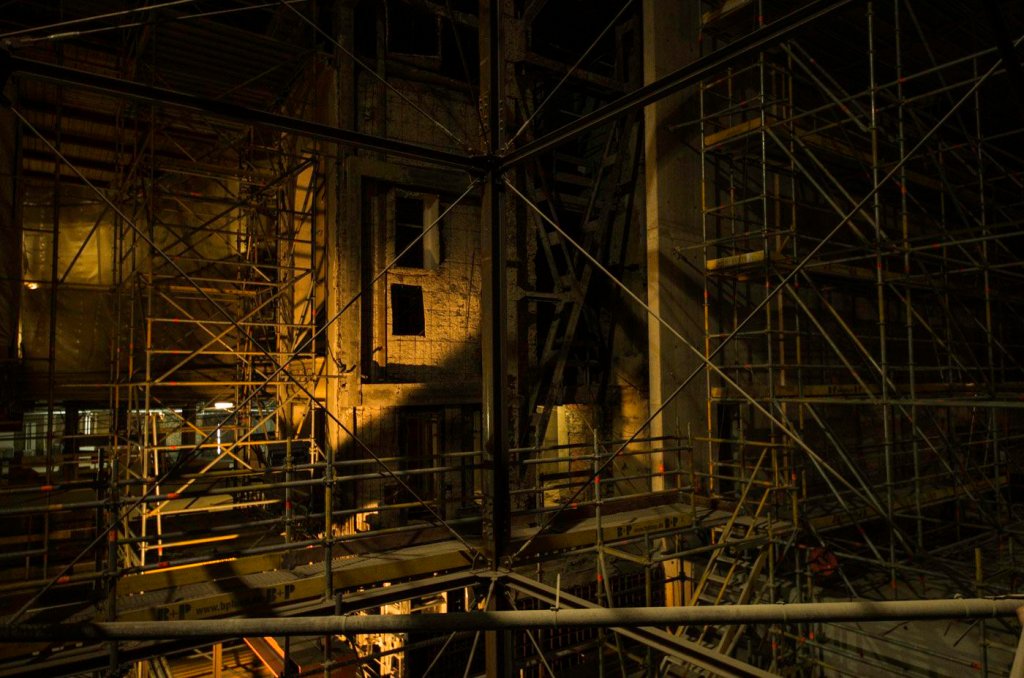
(858, 252)
(851, 266)
(213, 282)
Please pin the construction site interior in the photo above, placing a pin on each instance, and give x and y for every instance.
(458, 318)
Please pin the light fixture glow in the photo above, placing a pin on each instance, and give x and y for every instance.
(223, 405)
(32, 285)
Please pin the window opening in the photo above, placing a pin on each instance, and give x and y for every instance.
(407, 310)
(412, 215)
(408, 227)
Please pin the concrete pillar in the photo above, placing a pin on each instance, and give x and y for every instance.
(673, 220)
(673, 214)
(340, 112)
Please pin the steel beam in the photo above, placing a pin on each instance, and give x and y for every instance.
(497, 518)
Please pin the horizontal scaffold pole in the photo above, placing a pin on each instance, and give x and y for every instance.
(864, 610)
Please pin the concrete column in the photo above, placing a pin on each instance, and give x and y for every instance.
(337, 228)
(673, 214)
(672, 178)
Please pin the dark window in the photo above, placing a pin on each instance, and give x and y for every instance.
(413, 31)
(365, 18)
(407, 310)
(408, 227)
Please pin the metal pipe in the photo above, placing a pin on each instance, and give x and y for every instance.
(863, 610)
(880, 241)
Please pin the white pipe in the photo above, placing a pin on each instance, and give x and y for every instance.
(863, 610)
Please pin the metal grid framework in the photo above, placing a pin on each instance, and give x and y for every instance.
(858, 254)
(852, 261)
